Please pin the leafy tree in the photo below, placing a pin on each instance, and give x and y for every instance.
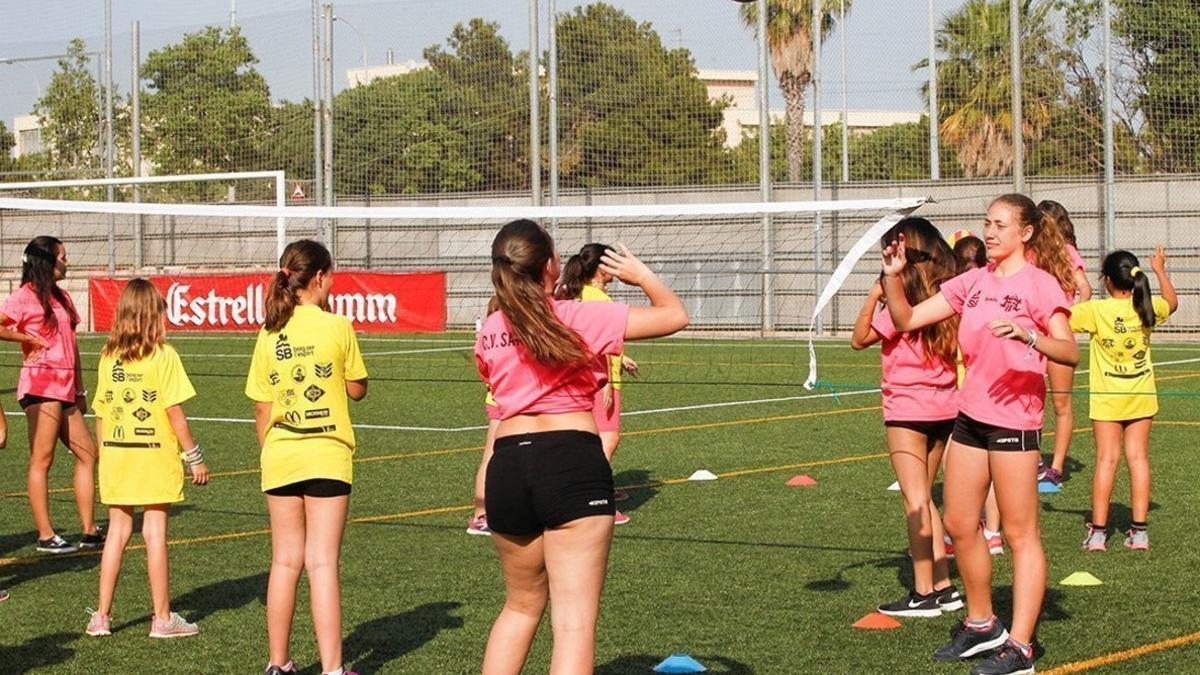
(208, 109)
(789, 37)
(7, 141)
(975, 87)
(631, 111)
(69, 112)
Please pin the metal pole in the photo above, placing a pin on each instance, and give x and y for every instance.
(845, 103)
(1018, 123)
(1109, 241)
(233, 13)
(535, 141)
(135, 125)
(764, 165)
(362, 40)
(553, 120)
(935, 153)
(108, 132)
(818, 254)
(318, 173)
(330, 234)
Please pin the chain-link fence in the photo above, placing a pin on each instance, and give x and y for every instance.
(624, 101)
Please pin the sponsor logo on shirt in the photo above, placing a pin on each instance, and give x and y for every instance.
(317, 414)
(149, 395)
(118, 373)
(273, 378)
(1011, 303)
(973, 301)
(287, 398)
(298, 373)
(323, 370)
(1129, 343)
(598, 502)
(292, 417)
(142, 414)
(143, 431)
(1119, 325)
(128, 396)
(283, 350)
(119, 432)
(313, 393)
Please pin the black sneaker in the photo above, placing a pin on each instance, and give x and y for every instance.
(92, 541)
(966, 642)
(913, 605)
(55, 544)
(949, 599)
(1008, 661)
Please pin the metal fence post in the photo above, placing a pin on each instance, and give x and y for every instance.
(135, 125)
(1018, 123)
(764, 165)
(535, 141)
(1109, 240)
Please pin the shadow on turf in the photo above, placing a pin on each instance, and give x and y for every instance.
(838, 582)
(1120, 516)
(637, 496)
(200, 603)
(1052, 609)
(374, 644)
(42, 652)
(12, 576)
(641, 664)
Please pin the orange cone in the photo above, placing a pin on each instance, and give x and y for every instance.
(802, 480)
(877, 621)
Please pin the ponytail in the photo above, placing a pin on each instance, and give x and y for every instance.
(519, 256)
(1122, 271)
(301, 261)
(1047, 247)
(579, 270)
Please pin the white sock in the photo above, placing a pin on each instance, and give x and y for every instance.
(339, 671)
(988, 534)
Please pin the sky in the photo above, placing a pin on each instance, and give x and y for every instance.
(881, 42)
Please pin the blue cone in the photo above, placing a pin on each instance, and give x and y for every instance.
(679, 663)
(1047, 486)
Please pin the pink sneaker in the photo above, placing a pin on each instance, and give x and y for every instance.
(949, 547)
(1096, 539)
(286, 669)
(620, 519)
(995, 544)
(99, 625)
(173, 627)
(479, 527)
(1137, 540)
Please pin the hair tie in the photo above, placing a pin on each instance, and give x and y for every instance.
(1135, 271)
(285, 272)
(501, 259)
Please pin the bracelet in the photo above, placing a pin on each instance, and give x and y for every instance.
(1032, 339)
(194, 456)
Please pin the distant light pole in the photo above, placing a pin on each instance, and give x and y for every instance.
(362, 40)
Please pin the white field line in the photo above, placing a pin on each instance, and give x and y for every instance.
(698, 406)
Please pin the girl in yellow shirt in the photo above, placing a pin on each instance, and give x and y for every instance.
(1121, 381)
(141, 427)
(306, 367)
(582, 279)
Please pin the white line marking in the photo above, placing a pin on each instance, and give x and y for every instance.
(402, 352)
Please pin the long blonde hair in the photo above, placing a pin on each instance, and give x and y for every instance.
(1047, 247)
(139, 327)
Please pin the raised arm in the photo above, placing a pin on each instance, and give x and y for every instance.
(664, 316)
(904, 315)
(1158, 263)
(864, 334)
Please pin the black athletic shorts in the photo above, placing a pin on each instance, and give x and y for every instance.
(935, 430)
(31, 399)
(977, 434)
(544, 480)
(314, 487)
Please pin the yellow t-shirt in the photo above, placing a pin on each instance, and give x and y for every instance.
(1121, 378)
(139, 453)
(302, 372)
(593, 294)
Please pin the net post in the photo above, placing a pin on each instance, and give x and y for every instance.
(818, 258)
(136, 129)
(764, 165)
(108, 133)
(1018, 132)
(552, 122)
(330, 234)
(1109, 239)
(281, 221)
(535, 141)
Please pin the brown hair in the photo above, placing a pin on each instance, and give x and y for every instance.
(519, 256)
(1047, 247)
(930, 262)
(138, 328)
(970, 252)
(579, 271)
(38, 262)
(1058, 212)
(301, 261)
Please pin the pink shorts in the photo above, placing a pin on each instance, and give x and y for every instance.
(607, 420)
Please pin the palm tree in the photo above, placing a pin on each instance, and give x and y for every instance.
(975, 85)
(789, 37)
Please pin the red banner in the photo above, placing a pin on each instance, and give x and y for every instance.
(375, 302)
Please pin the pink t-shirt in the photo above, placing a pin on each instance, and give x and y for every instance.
(522, 385)
(1005, 381)
(1076, 259)
(53, 372)
(915, 388)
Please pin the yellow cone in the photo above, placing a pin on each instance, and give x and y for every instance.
(1081, 579)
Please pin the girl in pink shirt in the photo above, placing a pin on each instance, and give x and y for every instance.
(1013, 318)
(1069, 270)
(41, 317)
(919, 409)
(549, 490)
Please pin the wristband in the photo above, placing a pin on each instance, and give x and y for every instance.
(1032, 339)
(194, 456)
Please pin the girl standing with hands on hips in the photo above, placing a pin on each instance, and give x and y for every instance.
(1013, 318)
(306, 369)
(549, 487)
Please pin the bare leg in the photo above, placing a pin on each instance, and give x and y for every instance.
(991, 511)
(43, 420)
(966, 484)
(576, 563)
(481, 473)
(941, 566)
(326, 518)
(1137, 457)
(1015, 476)
(1108, 455)
(523, 562)
(287, 562)
(74, 433)
(154, 531)
(1062, 379)
(908, 450)
(120, 528)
